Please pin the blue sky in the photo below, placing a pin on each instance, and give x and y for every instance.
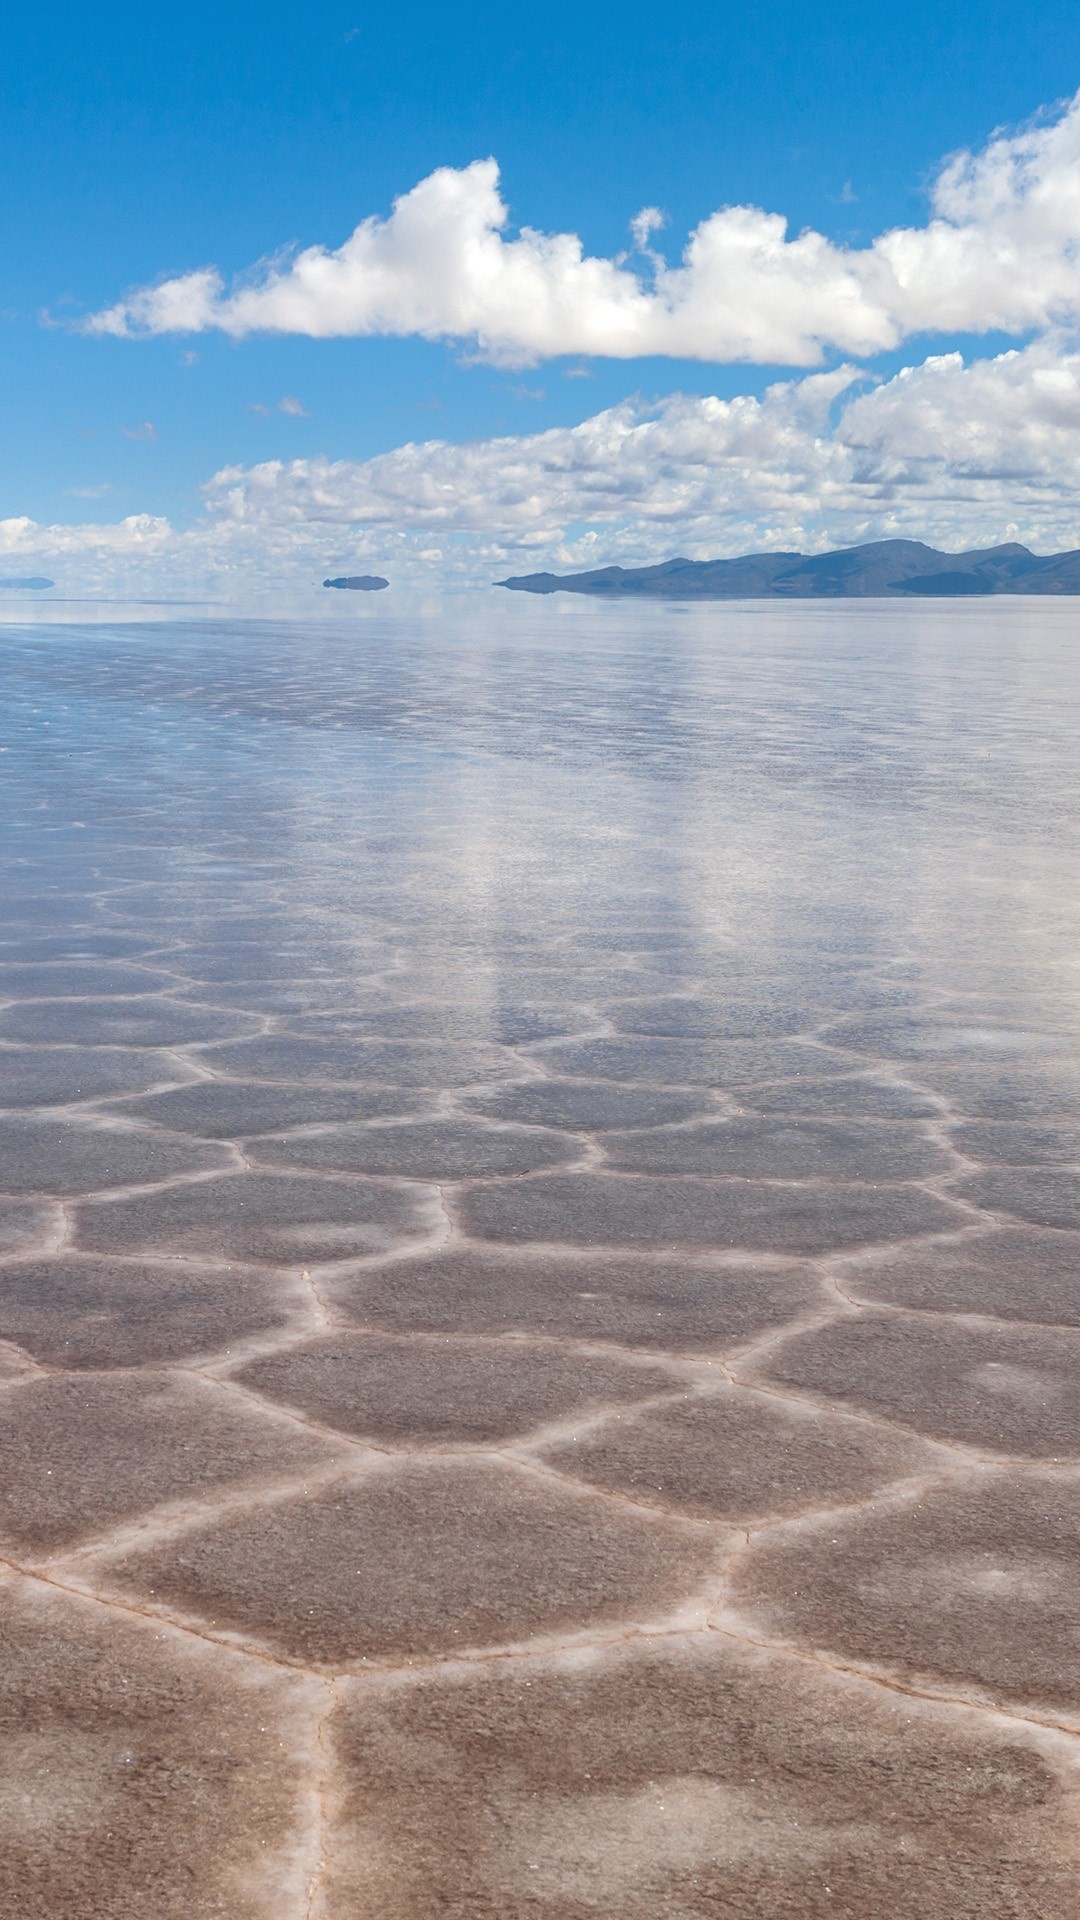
(142, 146)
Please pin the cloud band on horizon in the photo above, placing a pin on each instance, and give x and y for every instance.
(961, 454)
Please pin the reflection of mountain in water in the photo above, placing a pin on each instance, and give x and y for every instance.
(359, 582)
(33, 580)
(884, 568)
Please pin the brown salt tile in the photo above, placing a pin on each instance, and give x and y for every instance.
(992, 974)
(1008, 1389)
(270, 996)
(422, 1558)
(688, 1063)
(424, 1149)
(929, 1036)
(1048, 1088)
(971, 1584)
(848, 993)
(271, 925)
(278, 1219)
(78, 945)
(1046, 1196)
(427, 1389)
(388, 1019)
(143, 1774)
(634, 1301)
(694, 1780)
(77, 1311)
(781, 1149)
(689, 1016)
(24, 1222)
(634, 1210)
(1013, 1273)
(34, 910)
(309, 959)
(130, 1023)
(232, 1109)
(401, 1063)
(83, 1452)
(846, 1096)
(566, 979)
(585, 1104)
(66, 1156)
(1057, 1009)
(672, 935)
(740, 1455)
(1017, 1143)
(53, 1076)
(62, 981)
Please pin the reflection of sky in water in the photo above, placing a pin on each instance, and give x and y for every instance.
(777, 788)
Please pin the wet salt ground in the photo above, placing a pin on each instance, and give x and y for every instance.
(540, 1266)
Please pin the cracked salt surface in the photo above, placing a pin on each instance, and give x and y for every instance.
(539, 1268)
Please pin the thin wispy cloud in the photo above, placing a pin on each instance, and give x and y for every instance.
(147, 431)
(1000, 251)
(289, 405)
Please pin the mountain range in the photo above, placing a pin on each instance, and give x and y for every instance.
(881, 569)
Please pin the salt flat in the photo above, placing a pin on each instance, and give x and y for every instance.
(540, 1265)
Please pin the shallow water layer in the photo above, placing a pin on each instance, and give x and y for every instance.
(540, 1265)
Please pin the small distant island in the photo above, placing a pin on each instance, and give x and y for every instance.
(882, 569)
(32, 580)
(359, 582)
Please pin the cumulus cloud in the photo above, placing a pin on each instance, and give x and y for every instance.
(960, 454)
(660, 465)
(140, 536)
(1011, 422)
(942, 444)
(1000, 251)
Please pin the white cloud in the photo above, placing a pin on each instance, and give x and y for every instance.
(956, 454)
(140, 536)
(1001, 251)
(1012, 422)
(942, 448)
(658, 465)
(290, 404)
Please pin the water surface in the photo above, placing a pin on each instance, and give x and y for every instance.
(539, 1305)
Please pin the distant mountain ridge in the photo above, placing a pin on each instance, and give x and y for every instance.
(882, 569)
